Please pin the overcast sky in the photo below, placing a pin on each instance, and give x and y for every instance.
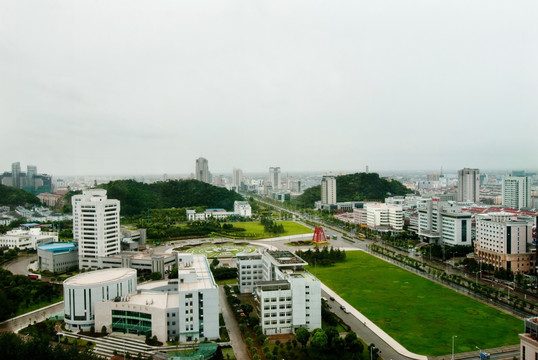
(146, 87)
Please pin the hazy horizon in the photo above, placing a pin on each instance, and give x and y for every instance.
(128, 87)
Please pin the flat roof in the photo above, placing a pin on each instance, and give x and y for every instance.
(204, 278)
(158, 300)
(100, 276)
(57, 246)
(286, 257)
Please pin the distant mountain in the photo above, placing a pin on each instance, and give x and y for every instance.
(355, 187)
(136, 197)
(10, 196)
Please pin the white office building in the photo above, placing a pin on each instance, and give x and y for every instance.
(328, 190)
(384, 217)
(96, 227)
(469, 185)
(444, 223)
(184, 309)
(274, 178)
(27, 238)
(504, 240)
(516, 192)
(242, 208)
(288, 296)
(82, 291)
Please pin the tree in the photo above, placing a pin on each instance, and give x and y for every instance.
(247, 309)
(319, 339)
(103, 330)
(332, 334)
(302, 336)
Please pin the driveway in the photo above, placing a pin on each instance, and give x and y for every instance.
(238, 345)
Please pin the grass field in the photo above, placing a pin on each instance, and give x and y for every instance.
(418, 313)
(290, 227)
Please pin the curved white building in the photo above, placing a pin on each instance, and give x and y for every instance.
(83, 290)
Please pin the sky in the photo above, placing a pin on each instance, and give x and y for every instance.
(146, 87)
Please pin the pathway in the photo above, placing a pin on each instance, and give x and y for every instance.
(238, 345)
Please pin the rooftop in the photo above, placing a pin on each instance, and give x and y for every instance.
(57, 247)
(100, 276)
(286, 258)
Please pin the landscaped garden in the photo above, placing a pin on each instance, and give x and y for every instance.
(418, 313)
(256, 230)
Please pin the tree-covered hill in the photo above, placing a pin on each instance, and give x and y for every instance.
(10, 196)
(136, 197)
(355, 187)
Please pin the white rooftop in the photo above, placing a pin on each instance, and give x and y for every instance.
(204, 278)
(100, 276)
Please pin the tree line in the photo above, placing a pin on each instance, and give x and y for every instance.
(326, 257)
(270, 226)
(18, 292)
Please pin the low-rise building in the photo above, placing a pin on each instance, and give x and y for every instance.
(288, 296)
(444, 223)
(242, 208)
(27, 238)
(184, 309)
(383, 217)
(192, 215)
(57, 257)
(529, 340)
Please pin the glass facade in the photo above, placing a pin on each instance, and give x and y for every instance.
(132, 322)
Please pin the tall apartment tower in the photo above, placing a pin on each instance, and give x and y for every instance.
(16, 175)
(328, 190)
(31, 173)
(202, 170)
(516, 191)
(469, 185)
(96, 227)
(274, 178)
(237, 177)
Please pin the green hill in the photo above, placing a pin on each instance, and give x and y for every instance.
(355, 187)
(10, 196)
(136, 197)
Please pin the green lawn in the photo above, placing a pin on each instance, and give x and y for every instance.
(290, 227)
(420, 314)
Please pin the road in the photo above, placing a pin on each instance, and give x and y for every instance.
(19, 266)
(22, 321)
(363, 332)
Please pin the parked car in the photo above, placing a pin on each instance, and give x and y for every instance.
(331, 298)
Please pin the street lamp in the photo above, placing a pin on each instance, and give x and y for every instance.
(453, 336)
(371, 352)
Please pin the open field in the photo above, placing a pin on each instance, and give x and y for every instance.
(255, 231)
(418, 313)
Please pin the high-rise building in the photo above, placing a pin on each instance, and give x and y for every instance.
(469, 185)
(16, 174)
(237, 178)
(328, 190)
(96, 227)
(516, 191)
(274, 177)
(202, 170)
(31, 173)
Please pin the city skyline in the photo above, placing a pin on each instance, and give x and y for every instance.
(307, 86)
